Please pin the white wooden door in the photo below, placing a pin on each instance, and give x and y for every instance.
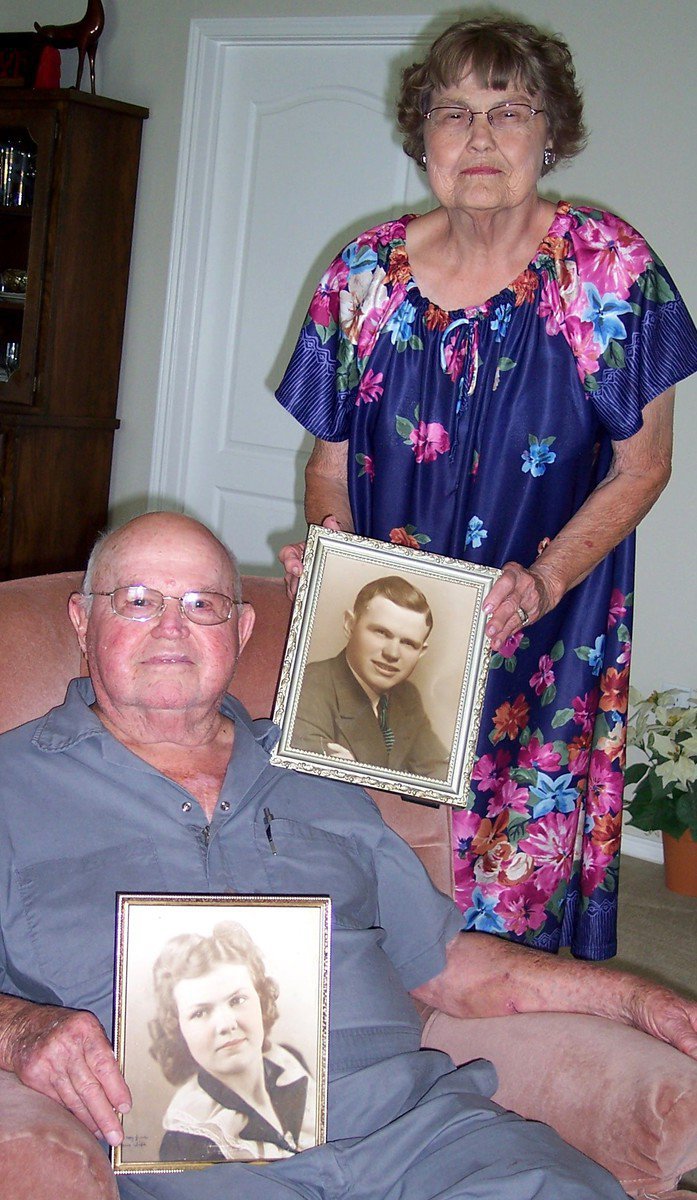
(288, 149)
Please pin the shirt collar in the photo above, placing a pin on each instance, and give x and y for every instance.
(73, 721)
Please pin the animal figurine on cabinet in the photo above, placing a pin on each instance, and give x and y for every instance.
(80, 35)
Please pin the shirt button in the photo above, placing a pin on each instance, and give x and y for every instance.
(186, 806)
(225, 805)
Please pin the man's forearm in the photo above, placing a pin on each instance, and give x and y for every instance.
(16, 1017)
(486, 976)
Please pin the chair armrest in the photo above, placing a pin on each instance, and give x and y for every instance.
(624, 1098)
(45, 1152)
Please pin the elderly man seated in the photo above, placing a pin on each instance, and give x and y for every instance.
(151, 778)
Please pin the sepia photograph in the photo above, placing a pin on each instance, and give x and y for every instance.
(385, 667)
(220, 1029)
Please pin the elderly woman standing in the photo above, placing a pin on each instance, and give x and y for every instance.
(494, 381)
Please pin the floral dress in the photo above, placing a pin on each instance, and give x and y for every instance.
(478, 434)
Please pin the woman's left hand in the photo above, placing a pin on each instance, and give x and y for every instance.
(518, 598)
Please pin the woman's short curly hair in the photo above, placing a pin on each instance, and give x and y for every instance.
(188, 956)
(500, 51)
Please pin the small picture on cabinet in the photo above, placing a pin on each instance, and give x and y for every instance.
(27, 62)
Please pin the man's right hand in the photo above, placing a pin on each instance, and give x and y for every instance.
(64, 1054)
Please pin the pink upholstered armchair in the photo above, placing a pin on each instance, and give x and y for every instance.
(625, 1099)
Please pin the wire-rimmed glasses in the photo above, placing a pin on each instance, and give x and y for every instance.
(138, 603)
(457, 118)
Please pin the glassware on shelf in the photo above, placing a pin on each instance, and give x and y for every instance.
(14, 280)
(10, 358)
(17, 171)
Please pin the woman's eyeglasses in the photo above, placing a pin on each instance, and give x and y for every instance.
(457, 118)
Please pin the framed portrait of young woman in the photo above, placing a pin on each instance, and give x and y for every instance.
(220, 1028)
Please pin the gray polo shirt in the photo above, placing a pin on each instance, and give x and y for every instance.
(82, 818)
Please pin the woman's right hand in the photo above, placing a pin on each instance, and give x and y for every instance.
(291, 558)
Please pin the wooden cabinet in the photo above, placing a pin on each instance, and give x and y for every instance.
(65, 246)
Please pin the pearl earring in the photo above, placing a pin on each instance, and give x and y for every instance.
(549, 158)
(423, 159)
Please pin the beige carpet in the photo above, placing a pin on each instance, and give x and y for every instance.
(657, 934)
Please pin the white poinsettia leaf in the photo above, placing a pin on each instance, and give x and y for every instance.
(663, 746)
(681, 771)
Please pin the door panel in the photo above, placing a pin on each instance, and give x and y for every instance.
(291, 150)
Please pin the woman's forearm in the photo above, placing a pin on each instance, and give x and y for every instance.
(326, 485)
(640, 470)
(609, 514)
(326, 503)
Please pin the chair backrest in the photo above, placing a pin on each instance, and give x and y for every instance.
(39, 655)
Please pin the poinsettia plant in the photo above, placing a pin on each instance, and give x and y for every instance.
(663, 727)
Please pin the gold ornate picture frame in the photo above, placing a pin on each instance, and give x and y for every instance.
(221, 1028)
(421, 631)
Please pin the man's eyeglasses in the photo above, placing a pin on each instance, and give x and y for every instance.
(139, 603)
(457, 118)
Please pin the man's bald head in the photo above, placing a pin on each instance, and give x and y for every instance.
(154, 527)
(144, 668)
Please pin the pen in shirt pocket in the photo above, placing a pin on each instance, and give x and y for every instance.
(268, 818)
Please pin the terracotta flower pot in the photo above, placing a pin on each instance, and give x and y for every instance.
(680, 859)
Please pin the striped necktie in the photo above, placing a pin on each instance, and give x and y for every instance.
(387, 733)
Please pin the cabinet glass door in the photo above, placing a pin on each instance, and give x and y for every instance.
(26, 149)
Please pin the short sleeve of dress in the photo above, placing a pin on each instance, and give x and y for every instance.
(355, 297)
(626, 322)
(310, 388)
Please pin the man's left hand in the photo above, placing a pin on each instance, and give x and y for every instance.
(665, 1015)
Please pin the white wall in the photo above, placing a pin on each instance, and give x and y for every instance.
(635, 59)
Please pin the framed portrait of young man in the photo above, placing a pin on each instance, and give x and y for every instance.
(221, 1028)
(383, 677)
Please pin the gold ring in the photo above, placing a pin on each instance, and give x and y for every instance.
(523, 616)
